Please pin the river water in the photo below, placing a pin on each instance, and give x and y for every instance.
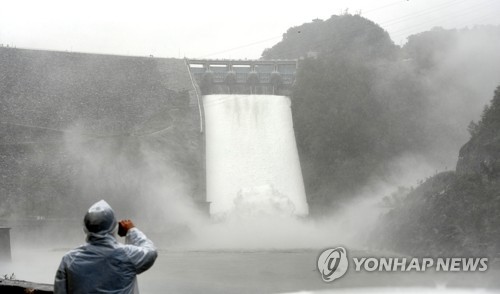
(258, 271)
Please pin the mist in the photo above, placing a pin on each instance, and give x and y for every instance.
(460, 82)
(140, 180)
(139, 148)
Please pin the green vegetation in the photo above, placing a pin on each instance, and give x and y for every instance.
(355, 104)
(452, 213)
(360, 102)
(490, 119)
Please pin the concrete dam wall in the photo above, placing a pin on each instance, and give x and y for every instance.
(60, 111)
(75, 128)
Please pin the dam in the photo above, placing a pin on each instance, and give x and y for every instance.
(140, 104)
(136, 130)
(252, 163)
(273, 77)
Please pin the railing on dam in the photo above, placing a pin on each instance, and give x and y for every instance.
(243, 76)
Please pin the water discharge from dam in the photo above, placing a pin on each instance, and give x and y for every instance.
(252, 163)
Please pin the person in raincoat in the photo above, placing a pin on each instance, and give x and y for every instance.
(103, 265)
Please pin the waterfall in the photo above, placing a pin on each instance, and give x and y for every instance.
(252, 163)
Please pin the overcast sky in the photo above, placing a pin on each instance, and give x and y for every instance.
(212, 29)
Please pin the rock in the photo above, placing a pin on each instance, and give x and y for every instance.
(481, 155)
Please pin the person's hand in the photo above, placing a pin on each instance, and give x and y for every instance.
(123, 226)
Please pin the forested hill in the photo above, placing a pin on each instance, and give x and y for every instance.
(339, 36)
(452, 213)
(360, 102)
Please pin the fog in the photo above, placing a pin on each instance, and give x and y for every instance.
(139, 183)
(142, 179)
(222, 249)
(139, 180)
(134, 174)
(461, 83)
(178, 30)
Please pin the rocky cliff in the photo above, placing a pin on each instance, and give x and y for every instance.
(454, 212)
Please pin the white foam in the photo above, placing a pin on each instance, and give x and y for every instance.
(251, 152)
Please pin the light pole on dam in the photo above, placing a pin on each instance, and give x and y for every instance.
(252, 163)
